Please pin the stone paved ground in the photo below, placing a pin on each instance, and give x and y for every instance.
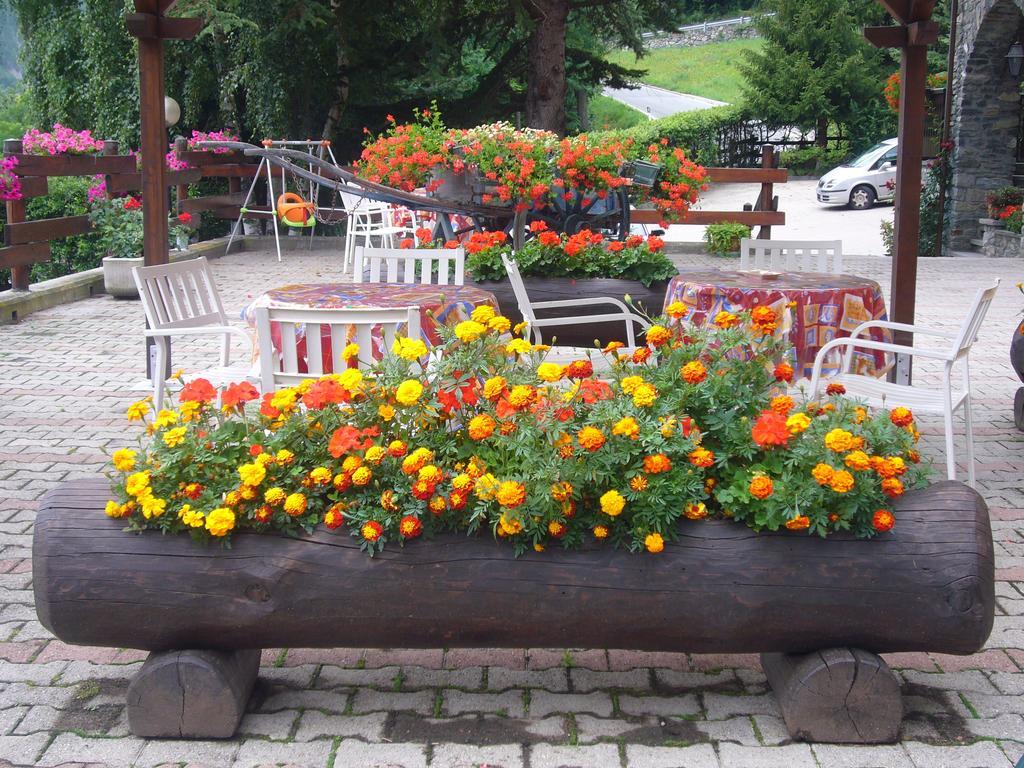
(65, 378)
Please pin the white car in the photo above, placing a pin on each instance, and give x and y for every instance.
(863, 181)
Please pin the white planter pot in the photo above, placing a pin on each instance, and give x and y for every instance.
(250, 227)
(117, 277)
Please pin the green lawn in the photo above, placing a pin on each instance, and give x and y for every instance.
(711, 70)
(608, 114)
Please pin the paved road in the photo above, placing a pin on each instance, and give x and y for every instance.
(660, 102)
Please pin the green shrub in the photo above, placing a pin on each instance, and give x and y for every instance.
(813, 161)
(68, 197)
(725, 238)
(696, 132)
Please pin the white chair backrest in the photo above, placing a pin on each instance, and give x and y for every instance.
(179, 295)
(411, 265)
(344, 326)
(968, 333)
(516, 279)
(792, 255)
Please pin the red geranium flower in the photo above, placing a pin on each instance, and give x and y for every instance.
(770, 429)
(197, 391)
(237, 394)
(348, 438)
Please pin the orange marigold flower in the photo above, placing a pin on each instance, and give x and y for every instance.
(761, 487)
(342, 481)
(557, 529)
(642, 355)
(600, 531)
(823, 474)
(726, 320)
(892, 487)
(696, 511)
(694, 372)
(764, 319)
(701, 457)
(658, 335)
(654, 543)
(410, 527)
(579, 369)
(782, 404)
(901, 417)
(423, 490)
(883, 520)
(783, 372)
(798, 523)
(590, 438)
(521, 396)
(656, 464)
(561, 491)
(387, 501)
(841, 482)
(372, 531)
(677, 310)
(333, 517)
(457, 499)
(857, 460)
(638, 483)
(770, 430)
(397, 449)
(835, 388)
(481, 427)
(709, 485)
(238, 394)
(511, 494)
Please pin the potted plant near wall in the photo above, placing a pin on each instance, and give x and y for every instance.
(118, 223)
(181, 230)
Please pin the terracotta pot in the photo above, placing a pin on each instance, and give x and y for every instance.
(648, 300)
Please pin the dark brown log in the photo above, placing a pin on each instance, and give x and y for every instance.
(839, 695)
(73, 165)
(750, 218)
(748, 175)
(22, 257)
(199, 158)
(130, 182)
(191, 694)
(199, 204)
(46, 229)
(144, 25)
(556, 288)
(721, 588)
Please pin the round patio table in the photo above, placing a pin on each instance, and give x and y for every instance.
(813, 308)
(438, 305)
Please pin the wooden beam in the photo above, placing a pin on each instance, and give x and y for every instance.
(898, 9)
(43, 230)
(750, 218)
(128, 182)
(886, 37)
(748, 175)
(150, 25)
(921, 10)
(154, 148)
(23, 257)
(922, 33)
(34, 186)
(155, 6)
(199, 158)
(73, 165)
(200, 204)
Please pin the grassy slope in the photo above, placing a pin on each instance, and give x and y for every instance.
(609, 114)
(711, 70)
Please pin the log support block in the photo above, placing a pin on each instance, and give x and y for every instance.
(192, 694)
(839, 695)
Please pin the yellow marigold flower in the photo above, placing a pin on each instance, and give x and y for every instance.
(386, 412)
(861, 414)
(858, 460)
(630, 383)
(137, 483)
(295, 504)
(797, 423)
(726, 320)
(494, 387)
(264, 459)
(520, 328)
(274, 496)
(612, 503)
(481, 427)
(193, 518)
(351, 463)
(510, 526)
(165, 418)
(231, 498)
(561, 491)
(600, 531)
(482, 314)
(117, 511)
(190, 410)
(284, 400)
(174, 437)
(152, 506)
(408, 392)
(303, 387)
(638, 483)
(626, 427)
(469, 330)
(654, 543)
(247, 493)
(539, 547)
(518, 347)
(645, 395)
(387, 501)
(550, 372)
(408, 349)
(839, 440)
(375, 454)
(350, 352)
(842, 481)
(676, 310)
(220, 521)
(462, 482)
(511, 494)
(253, 474)
(520, 395)
(321, 476)
(590, 438)
(124, 459)
(351, 380)
(437, 505)
(475, 468)
(284, 456)
(658, 335)
(362, 476)
(798, 523)
(486, 486)
(499, 324)
(696, 511)
(397, 449)
(430, 474)
(823, 474)
(412, 463)
(137, 411)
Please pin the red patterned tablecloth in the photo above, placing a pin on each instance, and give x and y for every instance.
(826, 306)
(439, 304)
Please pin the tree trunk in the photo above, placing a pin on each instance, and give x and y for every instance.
(341, 88)
(821, 132)
(546, 86)
(583, 108)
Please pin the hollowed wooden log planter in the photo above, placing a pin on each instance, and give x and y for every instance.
(818, 610)
(650, 300)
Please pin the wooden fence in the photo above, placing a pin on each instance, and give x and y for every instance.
(28, 242)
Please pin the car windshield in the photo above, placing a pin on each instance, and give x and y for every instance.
(868, 157)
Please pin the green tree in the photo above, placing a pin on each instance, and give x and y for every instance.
(815, 68)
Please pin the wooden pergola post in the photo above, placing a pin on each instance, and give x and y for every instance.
(152, 27)
(916, 31)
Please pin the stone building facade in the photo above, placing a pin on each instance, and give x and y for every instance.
(986, 111)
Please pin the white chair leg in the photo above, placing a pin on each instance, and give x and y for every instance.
(159, 383)
(969, 430)
(950, 455)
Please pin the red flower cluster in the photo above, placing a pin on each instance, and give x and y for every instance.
(479, 241)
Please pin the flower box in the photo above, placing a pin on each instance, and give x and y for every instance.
(998, 242)
(819, 610)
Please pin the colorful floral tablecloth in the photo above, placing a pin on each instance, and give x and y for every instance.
(823, 307)
(439, 304)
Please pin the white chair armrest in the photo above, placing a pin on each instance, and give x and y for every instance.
(590, 303)
(901, 327)
(578, 319)
(203, 330)
(853, 343)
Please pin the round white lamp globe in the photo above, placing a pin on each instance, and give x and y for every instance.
(172, 112)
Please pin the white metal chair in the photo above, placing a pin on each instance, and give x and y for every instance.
(411, 265)
(528, 309)
(369, 219)
(945, 400)
(792, 255)
(181, 299)
(345, 325)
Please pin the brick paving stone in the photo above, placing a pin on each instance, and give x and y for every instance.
(547, 728)
(177, 751)
(837, 756)
(1008, 682)
(696, 756)
(24, 750)
(919, 661)
(334, 677)
(790, 756)
(509, 658)
(545, 703)
(276, 726)
(999, 727)
(984, 754)
(992, 659)
(316, 725)
(340, 657)
(712, 661)
(311, 754)
(69, 746)
(589, 680)
(468, 756)
(590, 728)
(665, 706)
(367, 700)
(990, 706)
(432, 658)
(10, 718)
(619, 661)
(546, 658)
(549, 679)
(297, 677)
(36, 674)
(470, 678)
(772, 729)
(596, 756)
(720, 706)
(738, 729)
(675, 680)
(328, 701)
(356, 754)
(972, 681)
(509, 703)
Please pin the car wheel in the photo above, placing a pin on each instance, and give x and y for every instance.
(862, 197)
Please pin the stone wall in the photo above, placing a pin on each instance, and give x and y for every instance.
(986, 107)
(702, 36)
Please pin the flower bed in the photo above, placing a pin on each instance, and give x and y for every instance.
(497, 438)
